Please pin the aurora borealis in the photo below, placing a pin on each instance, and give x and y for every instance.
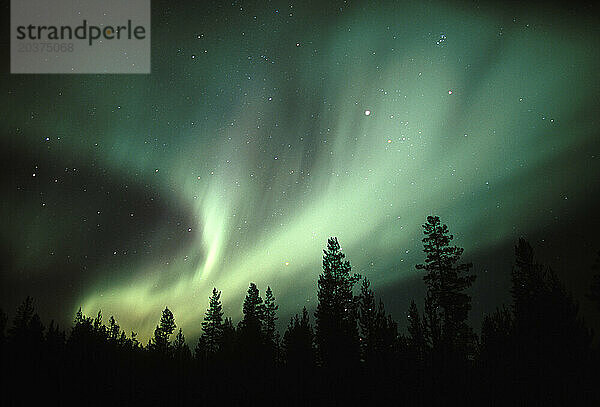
(263, 130)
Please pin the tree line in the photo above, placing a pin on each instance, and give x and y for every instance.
(535, 351)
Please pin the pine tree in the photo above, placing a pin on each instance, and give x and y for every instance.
(270, 334)
(78, 317)
(254, 310)
(55, 339)
(114, 330)
(253, 352)
(134, 343)
(36, 331)
(336, 329)
(27, 330)
(82, 334)
(298, 343)
(20, 327)
(446, 279)
(432, 323)
(100, 331)
(367, 313)
(98, 321)
(200, 352)
(497, 331)
(527, 279)
(212, 326)
(416, 331)
(546, 318)
(160, 341)
(181, 351)
(387, 339)
(378, 331)
(229, 349)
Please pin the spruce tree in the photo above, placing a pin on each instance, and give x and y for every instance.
(270, 334)
(229, 349)
(160, 341)
(377, 329)
(386, 339)
(547, 324)
(336, 329)
(22, 320)
(497, 345)
(367, 309)
(298, 343)
(254, 311)
(181, 351)
(527, 280)
(114, 330)
(250, 338)
(446, 303)
(27, 330)
(212, 326)
(369, 321)
(82, 334)
(432, 322)
(98, 322)
(55, 339)
(416, 331)
(36, 331)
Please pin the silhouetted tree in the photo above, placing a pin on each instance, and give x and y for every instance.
(181, 351)
(212, 326)
(432, 322)
(22, 320)
(160, 341)
(367, 320)
(27, 330)
(82, 333)
(251, 345)
(253, 315)
(114, 331)
(536, 352)
(134, 343)
(416, 331)
(387, 337)
(377, 331)
(98, 326)
(336, 329)
(36, 330)
(270, 334)
(527, 280)
(551, 338)
(542, 305)
(298, 343)
(229, 350)
(55, 338)
(496, 336)
(499, 362)
(446, 279)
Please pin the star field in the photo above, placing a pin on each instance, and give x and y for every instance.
(262, 131)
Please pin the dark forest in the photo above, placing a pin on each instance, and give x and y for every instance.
(536, 350)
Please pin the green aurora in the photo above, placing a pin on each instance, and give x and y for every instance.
(263, 131)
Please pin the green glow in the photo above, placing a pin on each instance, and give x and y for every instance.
(452, 130)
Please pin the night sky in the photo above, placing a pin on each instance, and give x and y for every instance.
(265, 129)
